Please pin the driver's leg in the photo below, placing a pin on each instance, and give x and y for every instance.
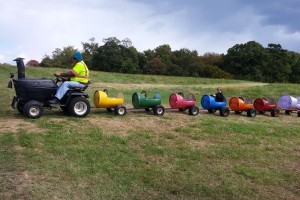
(65, 86)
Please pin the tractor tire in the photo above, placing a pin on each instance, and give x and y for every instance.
(79, 107)
(298, 113)
(33, 109)
(20, 106)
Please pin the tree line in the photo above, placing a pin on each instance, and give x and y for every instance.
(249, 61)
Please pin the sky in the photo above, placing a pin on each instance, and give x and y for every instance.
(34, 28)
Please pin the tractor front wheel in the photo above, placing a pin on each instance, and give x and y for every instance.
(33, 109)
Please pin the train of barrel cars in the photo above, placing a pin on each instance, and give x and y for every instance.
(140, 100)
(34, 94)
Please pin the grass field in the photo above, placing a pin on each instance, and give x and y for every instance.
(143, 156)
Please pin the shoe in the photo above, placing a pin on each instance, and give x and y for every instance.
(54, 101)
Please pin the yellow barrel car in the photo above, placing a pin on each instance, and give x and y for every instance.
(101, 100)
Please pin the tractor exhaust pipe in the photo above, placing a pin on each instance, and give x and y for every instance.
(21, 67)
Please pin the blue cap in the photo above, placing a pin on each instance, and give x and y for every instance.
(77, 55)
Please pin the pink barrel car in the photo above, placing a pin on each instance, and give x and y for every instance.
(177, 101)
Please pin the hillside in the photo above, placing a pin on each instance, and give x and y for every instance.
(143, 156)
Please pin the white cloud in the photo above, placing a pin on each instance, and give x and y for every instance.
(34, 28)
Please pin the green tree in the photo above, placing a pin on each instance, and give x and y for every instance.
(246, 61)
(295, 67)
(214, 59)
(211, 71)
(279, 67)
(116, 56)
(186, 63)
(46, 61)
(89, 50)
(158, 60)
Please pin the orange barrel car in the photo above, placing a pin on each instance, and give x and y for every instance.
(177, 101)
(101, 100)
(239, 105)
(263, 105)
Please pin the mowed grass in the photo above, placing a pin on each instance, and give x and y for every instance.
(143, 156)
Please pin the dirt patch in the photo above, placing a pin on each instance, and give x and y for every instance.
(16, 125)
(143, 122)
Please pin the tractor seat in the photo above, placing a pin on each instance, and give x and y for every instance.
(84, 88)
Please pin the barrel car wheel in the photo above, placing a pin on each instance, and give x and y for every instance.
(251, 112)
(33, 109)
(288, 112)
(224, 111)
(238, 112)
(159, 110)
(182, 109)
(212, 110)
(194, 110)
(79, 107)
(120, 110)
(275, 112)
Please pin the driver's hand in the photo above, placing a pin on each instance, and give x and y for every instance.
(57, 74)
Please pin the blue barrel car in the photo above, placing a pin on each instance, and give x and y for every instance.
(208, 102)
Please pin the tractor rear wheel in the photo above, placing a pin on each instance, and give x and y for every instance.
(79, 107)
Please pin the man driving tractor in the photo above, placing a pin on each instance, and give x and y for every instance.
(78, 77)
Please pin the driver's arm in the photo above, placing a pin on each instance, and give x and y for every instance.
(64, 74)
